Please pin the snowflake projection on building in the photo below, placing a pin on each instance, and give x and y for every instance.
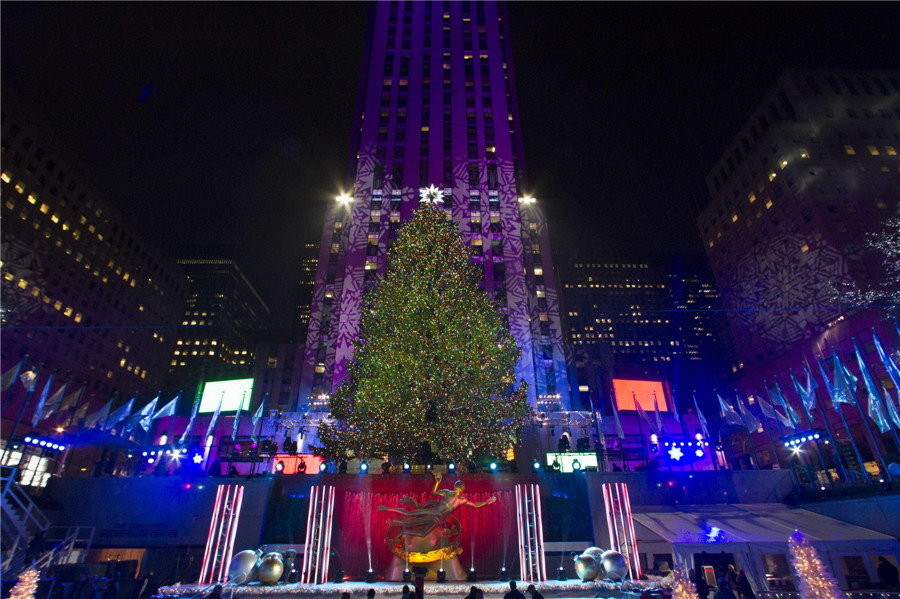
(430, 195)
(781, 291)
(22, 297)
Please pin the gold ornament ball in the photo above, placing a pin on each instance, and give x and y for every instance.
(271, 567)
(243, 567)
(595, 552)
(586, 567)
(614, 564)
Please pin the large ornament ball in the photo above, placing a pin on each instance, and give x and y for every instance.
(271, 568)
(587, 568)
(243, 567)
(595, 552)
(614, 564)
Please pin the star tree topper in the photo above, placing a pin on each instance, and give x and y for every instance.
(431, 194)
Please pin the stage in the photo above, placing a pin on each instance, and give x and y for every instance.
(357, 589)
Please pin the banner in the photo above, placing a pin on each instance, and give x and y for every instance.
(701, 418)
(873, 401)
(728, 413)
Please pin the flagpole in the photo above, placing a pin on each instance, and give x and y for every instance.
(640, 431)
(866, 423)
(12, 385)
(75, 408)
(885, 414)
(172, 419)
(837, 408)
(769, 430)
(12, 436)
(839, 461)
(809, 420)
(737, 400)
(600, 462)
(799, 451)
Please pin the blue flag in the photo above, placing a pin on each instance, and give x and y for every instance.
(873, 401)
(701, 418)
(728, 413)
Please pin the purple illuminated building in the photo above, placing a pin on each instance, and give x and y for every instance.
(437, 107)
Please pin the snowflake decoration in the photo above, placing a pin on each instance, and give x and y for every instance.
(197, 458)
(430, 195)
(675, 453)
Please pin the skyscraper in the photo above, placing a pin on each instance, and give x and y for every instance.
(437, 110)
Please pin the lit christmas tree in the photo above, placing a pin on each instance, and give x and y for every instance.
(682, 588)
(27, 585)
(813, 577)
(434, 362)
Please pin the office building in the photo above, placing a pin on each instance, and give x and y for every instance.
(305, 284)
(438, 111)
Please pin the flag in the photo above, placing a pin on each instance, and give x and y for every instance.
(767, 410)
(891, 407)
(40, 406)
(168, 409)
(642, 413)
(889, 364)
(190, 427)
(675, 413)
(212, 423)
(753, 424)
(50, 406)
(702, 419)
(237, 418)
(875, 408)
(257, 416)
(619, 431)
(71, 400)
(659, 423)
(728, 412)
(119, 415)
(777, 396)
(809, 400)
(844, 382)
(805, 392)
(98, 417)
(9, 377)
(828, 386)
(28, 379)
(80, 414)
(141, 416)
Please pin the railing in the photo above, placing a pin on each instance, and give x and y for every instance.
(21, 514)
(848, 594)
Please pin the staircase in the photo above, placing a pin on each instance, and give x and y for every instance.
(533, 567)
(21, 520)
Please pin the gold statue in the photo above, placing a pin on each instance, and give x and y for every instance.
(428, 534)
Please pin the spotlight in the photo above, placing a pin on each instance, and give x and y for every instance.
(504, 575)
(150, 460)
(279, 466)
(699, 453)
(184, 450)
(561, 574)
(576, 466)
(370, 576)
(34, 441)
(406, 466)
(493, 466)
(451, 467)
(364, 467)
(786, 444)
(536, 466)
(144, 454)
(323, 467)
(441, 576)
(339, 574)
(407, 576)
(28, 439)
(816, 436)
(473, 575)
(42, 443)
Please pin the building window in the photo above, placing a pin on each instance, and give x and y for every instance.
(849, 150)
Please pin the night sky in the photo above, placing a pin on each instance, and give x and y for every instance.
(230, 123)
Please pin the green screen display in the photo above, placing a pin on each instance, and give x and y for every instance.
(233, 391)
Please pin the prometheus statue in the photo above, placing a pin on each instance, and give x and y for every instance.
(428, 534)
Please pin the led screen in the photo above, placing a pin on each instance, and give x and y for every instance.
(626, 391)
(566, 461)
(233, 392)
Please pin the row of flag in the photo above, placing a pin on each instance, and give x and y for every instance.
(882, 408)
(106, 418)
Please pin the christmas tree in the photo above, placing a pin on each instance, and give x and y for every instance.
(682, 587)
(813, 577)
(434, 362)
(27, 585)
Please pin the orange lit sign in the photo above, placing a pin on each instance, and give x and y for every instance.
(626, 391)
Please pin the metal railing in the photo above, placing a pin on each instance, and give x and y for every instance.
(21, 517)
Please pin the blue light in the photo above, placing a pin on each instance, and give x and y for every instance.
(451, 466)
(816, 436)
(364, 467)
(323, 467)
(536, 465)
(493, 466)
(144, 454)
(150, 460)
(34, 441)
(184, 450)
(406, 466)
(28, 439)
(42, 443)
(699, 453)
(786, 444)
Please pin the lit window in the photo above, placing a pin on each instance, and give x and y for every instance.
(751, 197)
(804, 248)
(873, 150)
(783, 163)
(23, 284)
(734, 218)
(890, 150)
(772, 175)
(57, 305)
(44, 208)
(54, 217)
(768, 204)
(32, 199)
(538, 270)
(20, 187)
(804, 154)
(849, 149)
(68, 311)
(5, 177)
